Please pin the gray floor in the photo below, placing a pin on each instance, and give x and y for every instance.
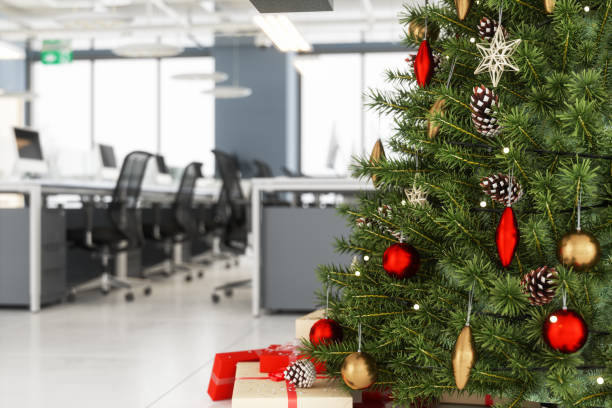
(156, 352)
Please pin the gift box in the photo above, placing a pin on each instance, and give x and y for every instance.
(482, 400)
(304, 324)
(253, 389)
(221, 383)
(371, 399)
(277, 357)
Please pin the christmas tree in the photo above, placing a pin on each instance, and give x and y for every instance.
(482, 259)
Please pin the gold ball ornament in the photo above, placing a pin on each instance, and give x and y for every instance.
(359, 370)
(579, 249)
(549, 5)
(417, 31)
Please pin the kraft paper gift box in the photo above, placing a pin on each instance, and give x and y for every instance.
(221, 383)
(253, 389)
(304, 323)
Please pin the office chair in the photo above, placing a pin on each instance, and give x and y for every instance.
(121, 230)
(231, 217)
(181, 226)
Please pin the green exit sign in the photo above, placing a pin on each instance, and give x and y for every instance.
(56, 52)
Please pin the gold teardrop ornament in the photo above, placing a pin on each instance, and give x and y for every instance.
(463, 6)
(464, 357)
(378, 155)
(436, 109)
(549, 6)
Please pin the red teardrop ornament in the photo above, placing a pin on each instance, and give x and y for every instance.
(424, 64)
(507, 237)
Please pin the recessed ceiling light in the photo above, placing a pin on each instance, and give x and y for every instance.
(281, 31)
(229, 92)
(148, 50)
(202, 76)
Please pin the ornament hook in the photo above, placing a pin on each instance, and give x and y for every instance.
(564, 298)
(579, 207)
(327, 297)
(470, 300)
(426, 15)
(451, 72)
(510, 179)
(359, 337)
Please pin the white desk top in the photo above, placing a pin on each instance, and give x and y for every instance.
(311, 184)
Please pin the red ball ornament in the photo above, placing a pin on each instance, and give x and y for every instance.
(325, 331)
(507, 237)
(565, 331)
(424, 64)
(401, 260)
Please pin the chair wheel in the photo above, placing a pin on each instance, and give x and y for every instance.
(129, 297)
(236, 262)
(188, 278)
(147, 291)
(228, 265)
(200, 274)
(228, 292)
(215, 298)
(105, 291)
(71, 298)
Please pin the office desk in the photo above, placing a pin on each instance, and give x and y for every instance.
(37, 190)
(259, 186)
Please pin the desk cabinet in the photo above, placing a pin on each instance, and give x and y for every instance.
(294, 241)
(15, 253)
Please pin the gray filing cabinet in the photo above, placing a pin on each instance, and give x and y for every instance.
(14, 256)
(294, 241)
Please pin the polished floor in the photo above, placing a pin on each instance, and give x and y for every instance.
(155, 352)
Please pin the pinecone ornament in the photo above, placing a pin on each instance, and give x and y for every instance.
(497, 186)
(483, 103)
(301, 373)
(540, 284)
(436, 59)
(487, 28)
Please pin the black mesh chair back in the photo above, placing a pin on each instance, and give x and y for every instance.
(230, 206)
(123, 208)
(262, 169)
(129, 183)
(183, 202)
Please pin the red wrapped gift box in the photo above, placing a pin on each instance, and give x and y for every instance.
(277, 357)
(223, 375)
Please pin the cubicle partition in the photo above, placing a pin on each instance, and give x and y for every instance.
(290, 242)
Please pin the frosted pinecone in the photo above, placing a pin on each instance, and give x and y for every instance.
(301, 373)
(497, 186)
(483, 103)
(540, 284)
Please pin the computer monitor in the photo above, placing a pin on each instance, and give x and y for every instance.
(107, 155)
(30, 160)
(107, 164)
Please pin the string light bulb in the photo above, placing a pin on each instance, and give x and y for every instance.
(416, 306)
(403, 202)
(483, 204)
(553, 319)
(366, 258)
(600, 380)
(472, 40)
(586, 10)
(357, 273)
(506, 150)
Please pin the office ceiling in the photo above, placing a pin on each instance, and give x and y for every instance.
(185, 21)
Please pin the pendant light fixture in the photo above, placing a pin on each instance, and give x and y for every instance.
(148, 49)
(235, 90)
(202, 76)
